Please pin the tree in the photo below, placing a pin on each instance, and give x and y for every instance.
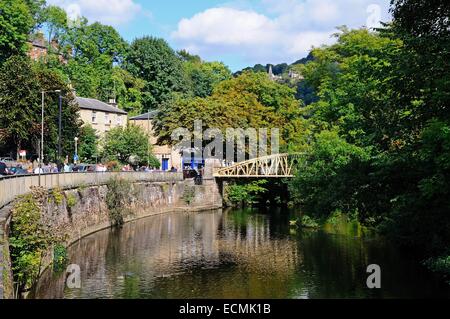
(15, 24)
(128, 145)
(90, 41)
(88, 148)
(152, 60)
(204, 76)
(128, 90)
(55, 22)
(248, 101)
(330, 176)
(21, 84)
(19, 101)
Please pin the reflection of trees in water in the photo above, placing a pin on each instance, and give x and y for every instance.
(174, 249)
(251, 246)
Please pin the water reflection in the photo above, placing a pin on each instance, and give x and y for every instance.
(234, 254)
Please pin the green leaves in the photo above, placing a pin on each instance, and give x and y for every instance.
(245, 194)
(152, 60)
(15, 24)
(87, 150)
(29, 240)
(125, 144)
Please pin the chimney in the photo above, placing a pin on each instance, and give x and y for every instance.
(112, 102)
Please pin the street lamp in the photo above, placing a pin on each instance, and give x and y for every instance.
(75, 159)
(148, 139)
(41, 156)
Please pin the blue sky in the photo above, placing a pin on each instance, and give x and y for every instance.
(239, 33)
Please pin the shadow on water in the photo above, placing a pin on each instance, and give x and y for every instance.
(237, 254)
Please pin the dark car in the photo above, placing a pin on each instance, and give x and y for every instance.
(84, 168)
(18, 171)
(3, 169)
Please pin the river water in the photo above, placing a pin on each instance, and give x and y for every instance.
(237, 254)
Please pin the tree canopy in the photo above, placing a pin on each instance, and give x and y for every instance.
(16, 22)
(152, 60)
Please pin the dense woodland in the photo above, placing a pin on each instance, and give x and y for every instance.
(371, 114)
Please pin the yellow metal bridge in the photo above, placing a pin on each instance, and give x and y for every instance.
(271, 166)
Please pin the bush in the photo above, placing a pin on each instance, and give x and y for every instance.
(71, 201)
(117, 198)
(308, 222)
(189, 194)
(30, 239)
(245, 194)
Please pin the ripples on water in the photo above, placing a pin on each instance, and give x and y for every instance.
(236, 254)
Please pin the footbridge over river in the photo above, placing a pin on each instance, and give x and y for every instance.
(271, 166)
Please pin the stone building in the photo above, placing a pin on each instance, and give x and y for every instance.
(100, 115)
(168, 156)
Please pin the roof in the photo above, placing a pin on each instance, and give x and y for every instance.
(145, 116)
(96, 105)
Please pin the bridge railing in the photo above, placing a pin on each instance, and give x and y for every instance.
(11, 187)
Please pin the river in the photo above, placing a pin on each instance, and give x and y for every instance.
(237, 254)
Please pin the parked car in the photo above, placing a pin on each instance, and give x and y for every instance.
(3, 169)
(18, 171)
(84, 168)
(6, 159)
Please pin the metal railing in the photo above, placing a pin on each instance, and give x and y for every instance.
(13, 186)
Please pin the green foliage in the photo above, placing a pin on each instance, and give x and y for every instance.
(16, 22)
(21, 83)
(88, 145)
(154, 162)
(189, 194)
(58, 195)
(128, 145)
(330, 175)
(152, 60)
(118, 198)
(128, 90)
(71, 201)
(92, 41)
(246, 194)
(440, 265)
(384, 96)
(30, 238)
(59, 257)
(202, 77)
(55, 22)
(308, 222)
(248, 101)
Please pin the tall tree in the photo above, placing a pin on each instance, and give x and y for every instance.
(88, 149)
(90, 41)
(21, 84)
(55, 22)
(16, 22)
(152, 60)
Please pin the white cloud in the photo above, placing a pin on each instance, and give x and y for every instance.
(110, 12)
(284, 32)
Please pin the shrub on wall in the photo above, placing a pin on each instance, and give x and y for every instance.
(117, 198)
(30, 239)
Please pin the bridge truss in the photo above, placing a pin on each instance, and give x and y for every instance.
(271, 166)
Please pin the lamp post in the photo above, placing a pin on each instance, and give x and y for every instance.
(76, 150)
(41, 155)
(58, 162)
(148, 139)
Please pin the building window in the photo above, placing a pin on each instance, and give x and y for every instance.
(107, 119)
(119, 120)
(94, 117)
